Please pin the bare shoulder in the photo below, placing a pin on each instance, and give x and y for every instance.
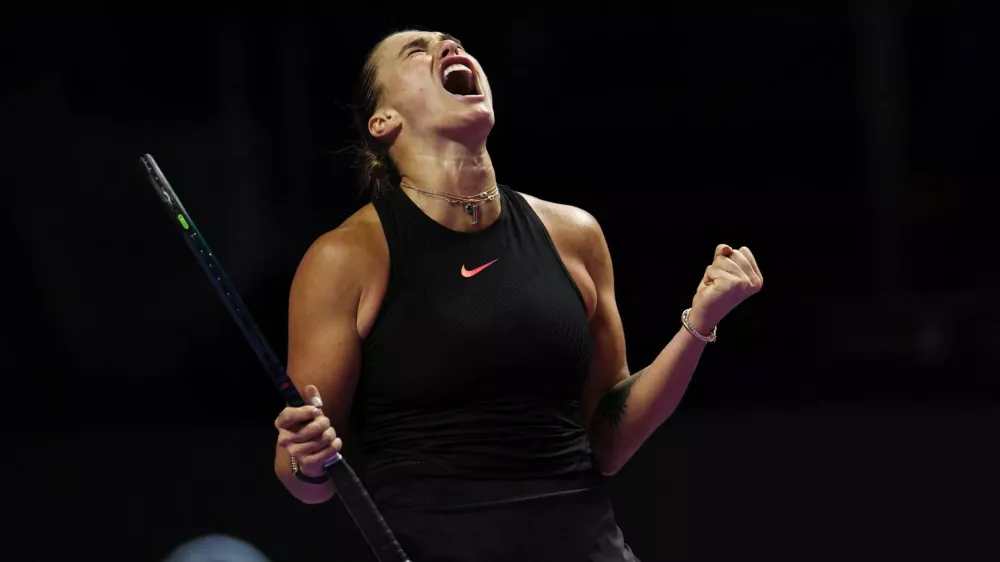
(564, 215)
(573, 226)
(354, 239)
(347, 255)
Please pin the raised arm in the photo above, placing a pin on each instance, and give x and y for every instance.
(621, 408)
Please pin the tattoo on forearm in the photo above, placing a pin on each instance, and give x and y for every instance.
(612, 406)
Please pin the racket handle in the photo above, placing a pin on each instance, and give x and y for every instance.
(355, 498)
(366, 516)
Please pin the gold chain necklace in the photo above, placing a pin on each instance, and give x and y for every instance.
(471, 202)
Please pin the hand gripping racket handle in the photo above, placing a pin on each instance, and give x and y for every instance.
(349, 487)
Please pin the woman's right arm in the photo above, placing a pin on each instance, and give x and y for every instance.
(324, 350)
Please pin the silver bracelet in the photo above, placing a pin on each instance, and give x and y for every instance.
(687, 324)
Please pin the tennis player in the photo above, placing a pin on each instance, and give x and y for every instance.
(468, 335)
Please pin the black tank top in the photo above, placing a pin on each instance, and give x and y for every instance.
(475, 365)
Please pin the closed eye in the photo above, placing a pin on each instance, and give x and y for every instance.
(421, 44)
(416, 46)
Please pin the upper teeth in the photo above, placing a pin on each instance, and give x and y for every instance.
(454, 67)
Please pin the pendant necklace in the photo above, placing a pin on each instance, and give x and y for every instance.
(470, 203)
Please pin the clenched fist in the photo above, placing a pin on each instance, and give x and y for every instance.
(305, 432)
(729, 280)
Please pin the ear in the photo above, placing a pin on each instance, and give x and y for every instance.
(383, 124)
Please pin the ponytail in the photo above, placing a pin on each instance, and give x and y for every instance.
(377, 173)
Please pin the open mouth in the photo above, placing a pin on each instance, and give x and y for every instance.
(459, 80)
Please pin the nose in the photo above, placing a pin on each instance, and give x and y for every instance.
(447, 48)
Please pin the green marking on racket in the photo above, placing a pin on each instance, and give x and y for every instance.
(350, 490)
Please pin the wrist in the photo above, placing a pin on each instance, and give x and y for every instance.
(699, 325)
(702, 321)
(313, 472)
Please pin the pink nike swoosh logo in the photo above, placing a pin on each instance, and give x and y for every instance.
(468, 273)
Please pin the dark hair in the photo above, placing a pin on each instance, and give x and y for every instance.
(376, 170)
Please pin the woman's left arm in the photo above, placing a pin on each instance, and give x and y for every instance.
(621, 409)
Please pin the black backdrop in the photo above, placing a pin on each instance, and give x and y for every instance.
(848, 410)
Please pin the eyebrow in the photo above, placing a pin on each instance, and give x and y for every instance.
(423, 42)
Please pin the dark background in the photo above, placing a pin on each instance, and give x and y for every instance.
(848, 411)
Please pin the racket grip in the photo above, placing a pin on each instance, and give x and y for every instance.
(366, 516)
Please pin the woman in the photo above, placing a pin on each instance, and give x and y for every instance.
(469, 335)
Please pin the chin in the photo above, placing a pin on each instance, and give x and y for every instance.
(473, 126)
(484, 117)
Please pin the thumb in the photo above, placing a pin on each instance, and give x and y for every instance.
(311, 396)
(723, 250)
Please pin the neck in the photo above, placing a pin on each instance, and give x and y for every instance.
(456, 169)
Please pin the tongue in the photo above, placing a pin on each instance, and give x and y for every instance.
(459, 82)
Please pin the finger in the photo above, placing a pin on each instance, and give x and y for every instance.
(285, 437)
(289, 417)
(714, 273)
(311, 396)
(748, 270)
(753, 262)
(727, 264)
(302, 450)
(323, 455)
(722, 250)
(312, 430)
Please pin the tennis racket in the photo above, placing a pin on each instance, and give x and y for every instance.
(349, 488)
